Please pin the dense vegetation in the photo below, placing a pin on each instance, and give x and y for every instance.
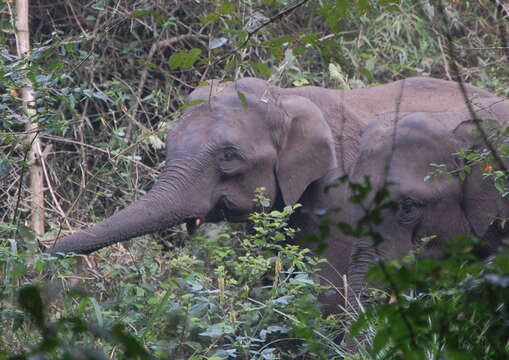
(110, 77)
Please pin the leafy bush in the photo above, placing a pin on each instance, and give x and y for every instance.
(452, 308)
(227, 294)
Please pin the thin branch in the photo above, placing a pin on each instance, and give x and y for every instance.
(444, 58)
(50, 188)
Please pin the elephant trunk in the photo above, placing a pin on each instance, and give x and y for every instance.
(363, 258)
(157, 210)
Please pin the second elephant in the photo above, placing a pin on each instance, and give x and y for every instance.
(398, 149)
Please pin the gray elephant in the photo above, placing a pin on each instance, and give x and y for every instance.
(247, 134)
(398, 149)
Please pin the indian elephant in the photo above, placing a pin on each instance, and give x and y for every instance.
(398, 149)
(245, 134)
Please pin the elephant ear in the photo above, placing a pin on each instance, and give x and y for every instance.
(306, 147)
(482, 202)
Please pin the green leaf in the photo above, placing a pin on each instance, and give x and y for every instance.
(363, 5)
(7, 227)
(208, 18)
(381, 340)
(139, 13)
(384, 2)
(300, 82)
(226, 8)
(192, 103)
(217, 330)
(243, 99)
(284, 300)
(190, 58)
(176, 59)
(198, 310)
(261, 68)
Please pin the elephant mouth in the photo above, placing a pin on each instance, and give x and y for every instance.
(193, 224)
(224, 210)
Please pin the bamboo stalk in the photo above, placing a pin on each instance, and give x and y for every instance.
(28, 101)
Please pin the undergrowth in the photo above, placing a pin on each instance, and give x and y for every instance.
(227, 293)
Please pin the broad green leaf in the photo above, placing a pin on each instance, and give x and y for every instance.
(300, 82)
(208, 18)
(192, 103)
(190, 58)
(176, 60)
(227, 8)
(243, 99)
(261, 68)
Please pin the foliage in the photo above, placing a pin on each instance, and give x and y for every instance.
(456, 307)
(492, 166)
(227, 294)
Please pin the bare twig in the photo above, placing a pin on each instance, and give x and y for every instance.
(444, 58)
(50, 188)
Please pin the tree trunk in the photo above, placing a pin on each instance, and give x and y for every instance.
(35, 151)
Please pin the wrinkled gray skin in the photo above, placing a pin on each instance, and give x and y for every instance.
(291, 141)
(446, 207)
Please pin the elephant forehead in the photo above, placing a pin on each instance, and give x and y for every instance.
(410, 174)
(227, 109)
(209, 133)
(416, 187)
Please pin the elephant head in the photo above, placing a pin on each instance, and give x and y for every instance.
(237, 137)
(399, 150)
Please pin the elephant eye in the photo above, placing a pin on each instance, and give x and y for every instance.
(409, 210)
(228, 156)
(406, 204)
(230, 161)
